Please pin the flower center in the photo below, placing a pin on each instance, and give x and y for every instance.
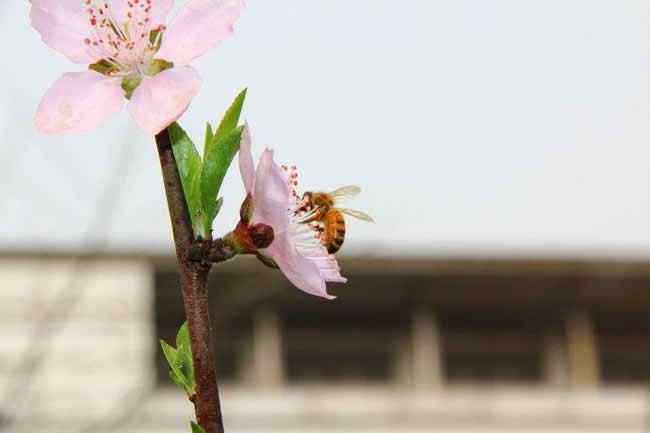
(305, 228)
(127, 46)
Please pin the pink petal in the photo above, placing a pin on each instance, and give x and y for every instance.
(159, 100)
(246, 165)
(332, 276)
(78, 101)
(328, 267)
(64, 25)
(199, 27)
(271, 194)
(301, 271)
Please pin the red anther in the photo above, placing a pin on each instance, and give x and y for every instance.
(93, 21)
(295, 183)
(293, 167)
(293, 193)
(284, 167)
(87, 41)
(129, 14)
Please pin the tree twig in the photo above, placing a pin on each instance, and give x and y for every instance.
(194, 279)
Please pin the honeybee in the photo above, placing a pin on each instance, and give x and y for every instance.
(332, 223)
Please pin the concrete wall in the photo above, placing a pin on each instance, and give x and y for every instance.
(77, 355)
(75, 340)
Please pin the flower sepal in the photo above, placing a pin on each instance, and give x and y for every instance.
(129, 84)
(261, 234)
(249, 239)
(156, 66)
(247, 208)
(104, 67)
(267, 261)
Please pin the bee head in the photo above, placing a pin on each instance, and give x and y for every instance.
(306, 200)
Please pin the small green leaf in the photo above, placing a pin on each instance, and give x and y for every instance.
(178, 381)
(196, 428)
(219, 204)
(228, 121)
(172, 358)
(208, 132)
(215, 166)
(189, 168)
(184, 354)
(183, 335)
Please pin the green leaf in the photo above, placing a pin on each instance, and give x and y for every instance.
(178, 381)
(189, 168)
(183, 335)
(184, 355)
(208, 132)
(196, 428)
(215, 166)
(172, 359)
(219, 204)
(228, 121)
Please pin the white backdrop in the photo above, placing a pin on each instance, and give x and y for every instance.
(473, 127)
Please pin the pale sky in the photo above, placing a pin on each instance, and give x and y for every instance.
(473, 127)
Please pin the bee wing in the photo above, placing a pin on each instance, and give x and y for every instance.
(346, 191)
(356, 214)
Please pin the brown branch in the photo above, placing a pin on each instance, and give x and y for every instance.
(194, 279)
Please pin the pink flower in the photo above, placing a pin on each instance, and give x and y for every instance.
(296, 248)
(130, 50)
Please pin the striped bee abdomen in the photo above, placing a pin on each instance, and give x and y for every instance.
(334, 230)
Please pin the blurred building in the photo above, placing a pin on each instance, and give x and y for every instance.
(421, 345)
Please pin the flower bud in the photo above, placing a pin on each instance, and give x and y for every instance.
(262, 235)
